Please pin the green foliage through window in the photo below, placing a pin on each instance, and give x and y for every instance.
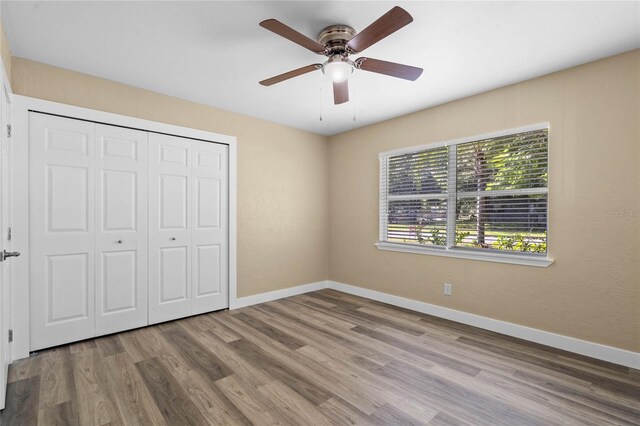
(499, 187)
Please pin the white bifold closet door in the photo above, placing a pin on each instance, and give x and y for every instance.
(188, 232)
(127, 228)
(62, 230)
(88, 229)
(121, 231)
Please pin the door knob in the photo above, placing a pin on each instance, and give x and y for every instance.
(172, 238)
(5, 254)
(119, 241)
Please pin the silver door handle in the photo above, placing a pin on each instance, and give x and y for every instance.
(4, 254)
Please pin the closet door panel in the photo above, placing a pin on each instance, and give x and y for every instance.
(170, 221)
(121, 235)
(174, 284)
(210, 232)
(173, 202)
(62, 224)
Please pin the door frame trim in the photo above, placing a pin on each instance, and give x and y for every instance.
(6, 349)
(21, 106)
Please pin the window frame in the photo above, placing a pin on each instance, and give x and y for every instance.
(450, 250)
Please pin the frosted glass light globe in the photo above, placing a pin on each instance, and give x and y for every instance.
(337, 71)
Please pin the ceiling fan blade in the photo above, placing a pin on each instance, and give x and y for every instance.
(290, 74)
(387, 24)
(393, 69)
(341, 92)
(291, 34)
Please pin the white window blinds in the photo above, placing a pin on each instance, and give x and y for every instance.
(487, 194)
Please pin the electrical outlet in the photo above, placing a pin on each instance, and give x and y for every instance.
(447, 289)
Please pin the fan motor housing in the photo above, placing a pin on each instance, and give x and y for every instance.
(335, 38)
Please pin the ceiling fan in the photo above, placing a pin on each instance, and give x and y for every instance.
(337, 43)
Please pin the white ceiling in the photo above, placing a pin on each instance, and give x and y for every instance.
(215, 53)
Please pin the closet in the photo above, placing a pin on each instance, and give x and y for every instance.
(127, 228)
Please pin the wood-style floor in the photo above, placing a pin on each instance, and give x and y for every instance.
(316, 359)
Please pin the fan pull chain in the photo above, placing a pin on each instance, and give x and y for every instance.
(321, 84)
(353, 90)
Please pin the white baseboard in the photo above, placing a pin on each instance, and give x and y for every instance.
(583, 347)
(241, 302)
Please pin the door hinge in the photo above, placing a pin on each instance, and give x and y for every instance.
(8, 130)
(9, 234)
(10, 336)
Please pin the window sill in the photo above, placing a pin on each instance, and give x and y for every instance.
(515, 259)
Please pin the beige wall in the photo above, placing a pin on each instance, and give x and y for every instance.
(282, 172)
(592, 291)
(5, 52)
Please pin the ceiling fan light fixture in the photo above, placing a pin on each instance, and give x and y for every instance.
(338, 70)
(338, 42)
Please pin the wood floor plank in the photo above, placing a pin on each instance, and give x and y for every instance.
(301, 298)
(393, 311)
(168, 354)
(211, 401)
(238, 365)
(371, 392)
(109, 345)
(65, 414)
(24, 369)
(446, 419)
(130, 393)
(21, 405)
(56, 380)
(197, 354)
(416, 408)
(274, 333)
(389, 415)
(254, 405)
(317, 359)
(96, 405)
(418, 350)
(347, 312)
(172, 401)
(339, 301)
(342, 413)
(583, 395)
(133, 343)
(296, 408)
(298, 325)
(454, 397)
(315, 315)
(561, 410)
(279, 371)
(211, 324)
(340, 384)
(338, 336)
(614, 386)
(413, 328)
(83, 346)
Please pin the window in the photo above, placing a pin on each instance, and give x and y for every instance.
(483, 198)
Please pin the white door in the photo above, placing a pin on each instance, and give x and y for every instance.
(121, 229)
(62, 230)
(5, 244)
(188, 231)
(209, 184)
(169, 228)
